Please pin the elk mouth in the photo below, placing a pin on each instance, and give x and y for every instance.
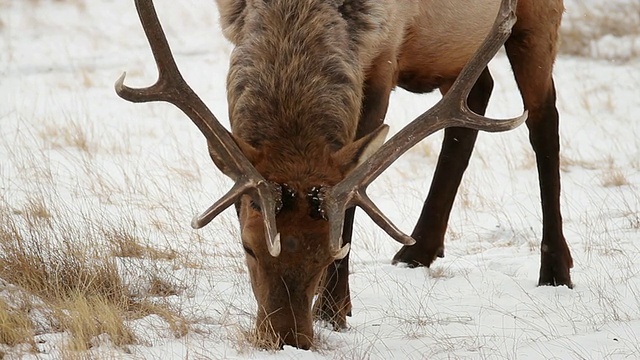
(275, 332)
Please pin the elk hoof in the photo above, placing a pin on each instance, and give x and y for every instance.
(335, 315)
(555, 276)
(338, 320)
(555, 267)
(413, 256)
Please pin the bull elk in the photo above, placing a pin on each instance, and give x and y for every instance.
(308, 89)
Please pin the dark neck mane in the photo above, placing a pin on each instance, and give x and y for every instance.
(295, 80)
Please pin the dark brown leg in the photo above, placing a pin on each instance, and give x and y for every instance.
(555, 255)
(453, 160)
(334, 301)
(532, 65)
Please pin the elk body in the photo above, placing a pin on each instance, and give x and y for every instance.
(308, 88)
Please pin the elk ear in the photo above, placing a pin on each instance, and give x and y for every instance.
(249, 152)
(358, 151)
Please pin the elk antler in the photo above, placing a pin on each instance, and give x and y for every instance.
(451, 110)
(172, 88)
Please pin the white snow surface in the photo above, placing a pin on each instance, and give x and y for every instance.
(148, 164)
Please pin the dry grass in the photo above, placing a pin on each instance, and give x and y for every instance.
(567, 162)
(71, 134)
(177, 323)
(257, 340)
(588, 30)
(54, 257)
(67, 266)
(613, 175)
(161, 287)
(87, 317)
(614, 178)
(439, 272)
(15, 326)
(126, 244)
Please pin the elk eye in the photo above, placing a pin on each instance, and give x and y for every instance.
(249, 251)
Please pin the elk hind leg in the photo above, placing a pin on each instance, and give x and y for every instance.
(532, 59)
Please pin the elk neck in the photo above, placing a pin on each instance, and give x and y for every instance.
(295, 84)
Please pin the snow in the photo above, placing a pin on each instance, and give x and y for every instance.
(104, 159)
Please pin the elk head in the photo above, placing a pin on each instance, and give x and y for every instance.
(291, 219)
(285, 277)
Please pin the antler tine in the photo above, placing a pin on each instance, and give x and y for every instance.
(268, 206)
(363, 200)
(334, 210)
(172, 88)
(451, 110)
(219, 206)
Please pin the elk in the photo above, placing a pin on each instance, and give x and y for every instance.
(308, 87)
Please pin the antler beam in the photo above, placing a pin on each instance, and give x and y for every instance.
(172, 88)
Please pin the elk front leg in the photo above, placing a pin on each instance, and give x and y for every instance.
(334, 300)
(453, 160)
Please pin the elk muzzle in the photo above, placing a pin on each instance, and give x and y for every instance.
(285, 327)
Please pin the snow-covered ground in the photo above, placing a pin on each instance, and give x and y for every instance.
(66, 137)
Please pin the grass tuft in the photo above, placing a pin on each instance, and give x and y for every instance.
(614, 178)
(70, 267)
(178, 325)
(87, 317)
(127, 245)
(72, 134)
(15, 326)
